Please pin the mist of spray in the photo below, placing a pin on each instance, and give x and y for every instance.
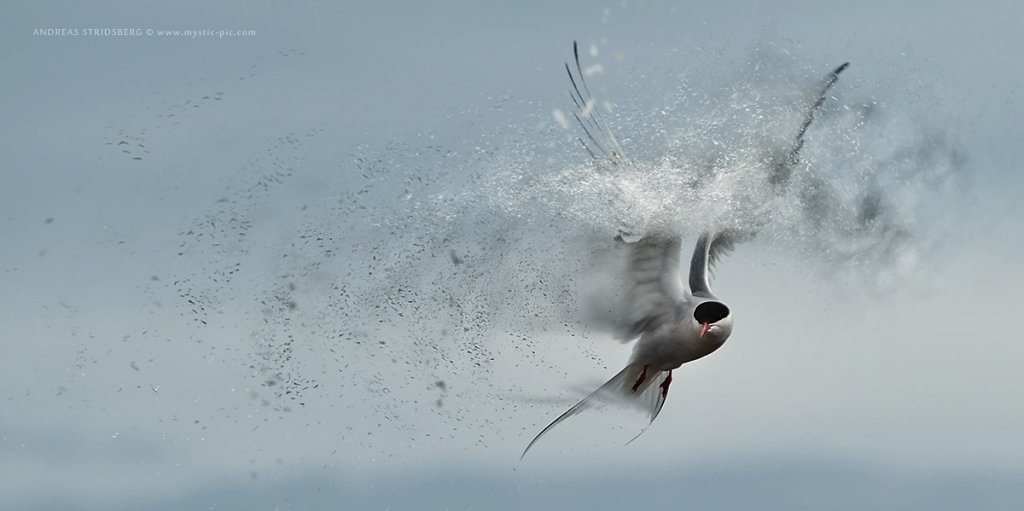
(400, 295)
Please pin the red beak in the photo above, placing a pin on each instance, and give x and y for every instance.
(704, 329)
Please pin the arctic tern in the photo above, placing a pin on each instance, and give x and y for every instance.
(673, 323)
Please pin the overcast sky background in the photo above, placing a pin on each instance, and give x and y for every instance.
(228, 283)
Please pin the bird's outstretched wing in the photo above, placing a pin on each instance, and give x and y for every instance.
(655, 286)
(597, 138)
(781, 169)
(712, 246)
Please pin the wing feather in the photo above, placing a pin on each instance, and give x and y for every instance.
(710, 249)
(655, 283)
(600, 142)
(781, 170)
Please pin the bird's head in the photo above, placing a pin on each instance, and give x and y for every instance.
(713, 321)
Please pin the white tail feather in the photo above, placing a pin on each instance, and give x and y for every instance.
(625, 388)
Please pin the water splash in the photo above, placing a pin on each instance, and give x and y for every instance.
(432, 263)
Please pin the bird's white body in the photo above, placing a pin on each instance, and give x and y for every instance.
(663, 311)
(672, 345)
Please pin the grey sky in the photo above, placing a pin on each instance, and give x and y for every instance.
(196, 328)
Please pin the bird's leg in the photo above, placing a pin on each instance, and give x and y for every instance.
(665, 384)
(643, 376)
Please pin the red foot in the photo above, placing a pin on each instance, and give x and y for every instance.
(643, 376)
(664, 385)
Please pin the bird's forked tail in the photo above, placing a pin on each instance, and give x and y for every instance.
(636, 386)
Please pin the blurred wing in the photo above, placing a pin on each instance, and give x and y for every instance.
(710, 249)
(598, 140)
(781, 170)
(655, 283)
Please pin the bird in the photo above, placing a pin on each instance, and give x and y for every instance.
(673, 322)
